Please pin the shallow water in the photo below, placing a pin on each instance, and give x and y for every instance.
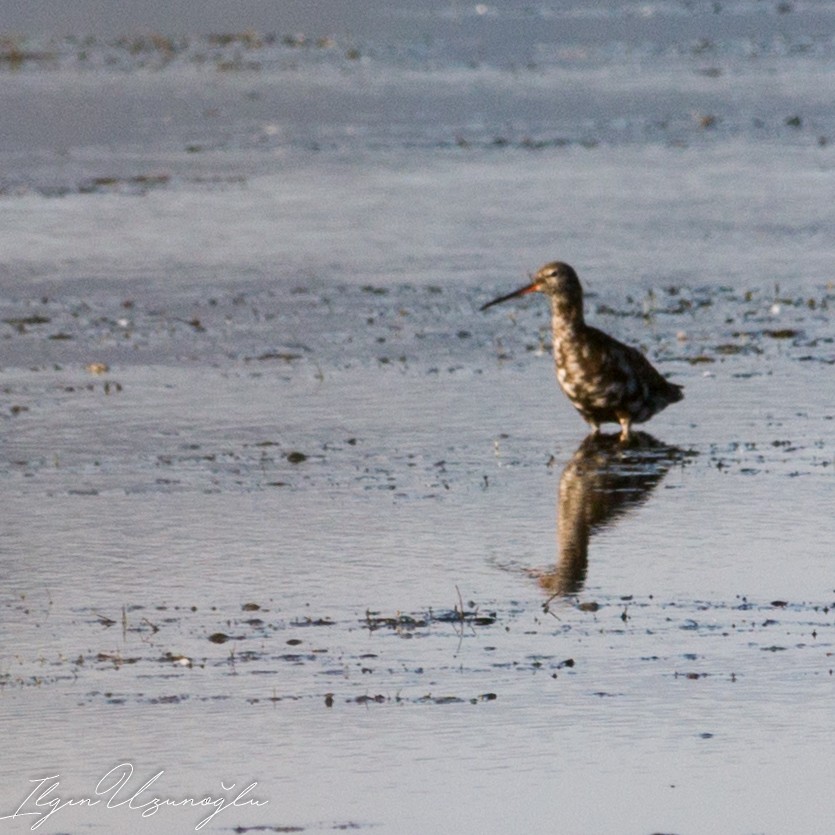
(281, 506)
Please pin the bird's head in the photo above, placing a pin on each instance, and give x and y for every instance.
(555, 279)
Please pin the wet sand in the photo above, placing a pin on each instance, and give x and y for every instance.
(282, 507)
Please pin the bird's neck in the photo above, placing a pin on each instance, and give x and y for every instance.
(567, 316)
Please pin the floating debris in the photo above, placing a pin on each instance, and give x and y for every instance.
(219, 638)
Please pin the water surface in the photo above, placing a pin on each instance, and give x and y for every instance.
(282, 507)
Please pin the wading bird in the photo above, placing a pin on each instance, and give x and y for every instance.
(605, 380)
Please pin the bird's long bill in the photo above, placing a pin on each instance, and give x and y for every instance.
(522, 291)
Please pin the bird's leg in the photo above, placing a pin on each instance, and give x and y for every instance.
(625, 424)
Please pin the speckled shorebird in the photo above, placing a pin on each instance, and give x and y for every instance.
(606, 381)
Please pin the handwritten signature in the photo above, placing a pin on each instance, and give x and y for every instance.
(112, 790)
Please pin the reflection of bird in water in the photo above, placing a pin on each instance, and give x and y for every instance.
(604, 480)
(605, 380)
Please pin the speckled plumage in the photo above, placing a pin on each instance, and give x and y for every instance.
(605, 380)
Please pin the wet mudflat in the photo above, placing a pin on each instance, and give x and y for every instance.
(282, 507)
